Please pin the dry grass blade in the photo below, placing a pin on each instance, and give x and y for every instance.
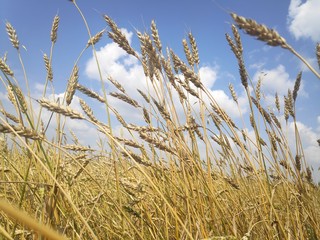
(12, 35)
(251, 27)
(54, 28)
(54, 107)
(26, 220)
(5, 68)
(73, 81)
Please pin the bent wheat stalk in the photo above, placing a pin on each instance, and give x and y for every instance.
(268, 35)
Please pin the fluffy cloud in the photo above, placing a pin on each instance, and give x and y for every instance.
(277, 80)
(303, 19)
(208, 76)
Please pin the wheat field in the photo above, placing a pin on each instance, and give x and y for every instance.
(186, 172)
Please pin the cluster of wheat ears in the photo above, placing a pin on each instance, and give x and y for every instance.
(196, 176)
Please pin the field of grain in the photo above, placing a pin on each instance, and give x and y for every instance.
(195, 176)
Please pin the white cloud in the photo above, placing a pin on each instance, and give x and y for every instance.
(303, 18)
(39, 87)
(228, 104)
(208, 76)
(115, 62)
(277, 80)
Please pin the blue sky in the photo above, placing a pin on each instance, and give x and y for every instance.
(296, 20)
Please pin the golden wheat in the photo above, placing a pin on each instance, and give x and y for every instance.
(54, 29)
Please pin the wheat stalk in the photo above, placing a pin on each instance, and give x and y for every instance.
(77, 148)
(10, 116)
(116, 84)
(263, 33)
(155, 35)
(128, 142)
(162, 109)
(118, 37)
(21, 99)
(237, 39)
(275, 120)
(146, 98)
(54, 29)
(20, 130)
(296, 86)
(187, 52)
(233, 93)
(267, 35)
(96, 38)
(90, 93)
(72, 83)
(290, 103)
(48, 67)
(11, 95)
(12, 35)
(263, 112)
(194, 48)
(5, 68)
(54, 107)
(125, 98)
